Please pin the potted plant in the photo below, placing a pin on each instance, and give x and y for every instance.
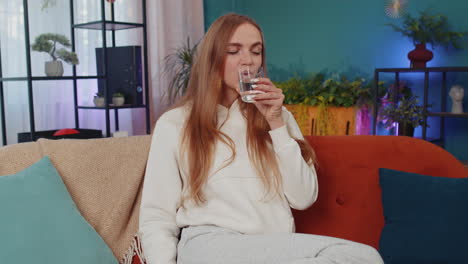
(427, 29)
(99, 100)
(48, 43)
(118, 99)
(178, 66)
(333, 106)
(406, 113)
(402, 111)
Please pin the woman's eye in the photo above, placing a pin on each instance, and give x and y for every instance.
(236, 51)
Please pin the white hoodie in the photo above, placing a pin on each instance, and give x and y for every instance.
(236, 197)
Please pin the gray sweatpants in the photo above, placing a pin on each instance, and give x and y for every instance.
(214, 245)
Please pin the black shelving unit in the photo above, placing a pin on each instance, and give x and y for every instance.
(443, 94)
(103, 25)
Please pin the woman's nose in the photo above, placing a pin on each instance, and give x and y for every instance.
(246, 58)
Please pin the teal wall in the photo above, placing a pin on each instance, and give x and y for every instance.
(350, 37)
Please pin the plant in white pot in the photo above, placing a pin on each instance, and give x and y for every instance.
(48, 43)
(99, 100)
(118, 99)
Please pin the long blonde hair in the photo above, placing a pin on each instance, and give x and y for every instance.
(204, 93)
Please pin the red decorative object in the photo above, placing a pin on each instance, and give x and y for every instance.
(110, 1)
(136, 260)
(419, 56)
(66, 131)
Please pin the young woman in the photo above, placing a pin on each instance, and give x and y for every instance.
(226, 172)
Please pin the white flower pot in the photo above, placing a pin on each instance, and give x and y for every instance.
(99, 101)
(118, 101)
(54, 68)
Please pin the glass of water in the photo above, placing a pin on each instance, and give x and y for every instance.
(247, 82)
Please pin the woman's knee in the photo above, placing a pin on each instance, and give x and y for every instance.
(353, 253)
(372, 254)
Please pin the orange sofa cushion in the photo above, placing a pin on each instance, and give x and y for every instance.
(349, 204)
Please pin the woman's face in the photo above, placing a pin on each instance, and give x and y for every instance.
(244, 49)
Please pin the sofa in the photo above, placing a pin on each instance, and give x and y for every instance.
(351, 198)
(104, 178)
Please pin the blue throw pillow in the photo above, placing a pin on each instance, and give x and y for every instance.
(39, 222)
(426, 218)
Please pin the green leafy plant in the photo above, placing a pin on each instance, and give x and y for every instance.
(405, 112)
(341, 92)
(48, 43)
(178, 65)
(403, 109)
(298, 90)
(318, 91)
(431, 29)
(99, 94)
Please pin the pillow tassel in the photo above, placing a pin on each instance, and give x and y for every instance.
(134, 250)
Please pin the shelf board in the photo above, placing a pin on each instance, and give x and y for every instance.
(110, 25)
(447, 114)
(38, 78)
(428, 69)
(112, 107)
(13, 79)
(45, 78)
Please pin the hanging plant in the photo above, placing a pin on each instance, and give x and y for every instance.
(48, 4)
(324, 125)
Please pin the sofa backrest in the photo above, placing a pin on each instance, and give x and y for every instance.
(348, 206)
(349, 203)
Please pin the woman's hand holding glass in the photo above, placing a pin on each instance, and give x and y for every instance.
(269, 102)
(259, 90)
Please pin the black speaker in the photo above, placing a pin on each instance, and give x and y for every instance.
(124, 73)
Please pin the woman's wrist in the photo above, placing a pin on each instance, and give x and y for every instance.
(277, 123)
